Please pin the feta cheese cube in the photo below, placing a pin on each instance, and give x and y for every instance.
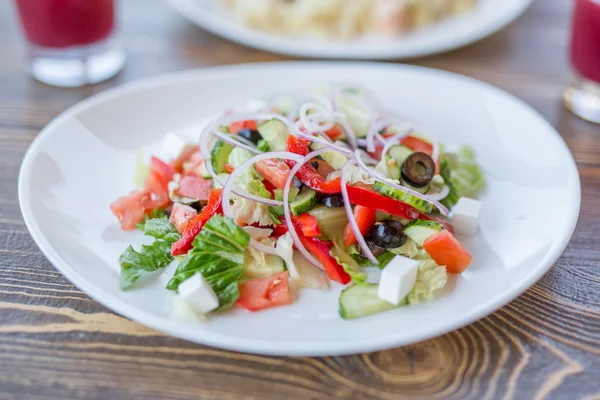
(465, 216)
(198, 294)
(172, 146)
(397, 279)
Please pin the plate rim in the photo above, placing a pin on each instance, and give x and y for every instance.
(290, 348)
(279, 45)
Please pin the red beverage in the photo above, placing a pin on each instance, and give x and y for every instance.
(65, 23)
(585, 42)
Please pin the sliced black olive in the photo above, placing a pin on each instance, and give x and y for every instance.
(388, 234)
(196, 205)
(297, 182)
(376, 250)
(315, 164)
(418, 170)
(332, 200)
(250, 134)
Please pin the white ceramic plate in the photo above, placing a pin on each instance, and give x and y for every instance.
(85, 159)
(490, 16)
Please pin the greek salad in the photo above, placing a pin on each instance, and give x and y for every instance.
(302, 189)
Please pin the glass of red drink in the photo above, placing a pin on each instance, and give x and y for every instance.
(71, 42)
(583, 96)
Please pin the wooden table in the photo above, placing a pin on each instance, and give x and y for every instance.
(55, 342)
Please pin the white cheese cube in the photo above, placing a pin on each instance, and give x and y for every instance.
(198, 294)
(465, 216)
(172, 146)
(397, 279)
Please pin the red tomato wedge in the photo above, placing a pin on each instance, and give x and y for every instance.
(129, 209)
(320, 250)
(185, 155)
(237, 126)
(194, 164)
(365, 218)
(273, 170)
(229, 168)
(180, 216)
(335, 132)
(162, 169)
(158, 190)
(259, 294)
(323, 168)
(446, 250)
(194, 187)
(417, 145)
(194, 226)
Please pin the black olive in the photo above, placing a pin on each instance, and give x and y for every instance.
(297, 182)
(250, 134)
(388, 234)
(418, 170)
(376, 250)
(315, 164)
(332, 200)
(196, 205)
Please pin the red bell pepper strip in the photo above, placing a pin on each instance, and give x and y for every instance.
(320, 250)
(307, 224)
(365, 196)
(307, 173)
(194, 226)
(365, 218)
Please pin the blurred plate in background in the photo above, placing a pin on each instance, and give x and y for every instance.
(490, 16)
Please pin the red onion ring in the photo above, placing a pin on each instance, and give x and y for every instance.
(393, 184)
(442, 194)
(350, 214)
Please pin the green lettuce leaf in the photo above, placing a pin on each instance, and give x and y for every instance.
(263, 146)
(352, 268)
(412, 250)
(149, 258)
(156, 213)
(463, 175)
(218, 254)
(430, 278)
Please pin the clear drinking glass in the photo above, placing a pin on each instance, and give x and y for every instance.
(71, 42)
(583, 95)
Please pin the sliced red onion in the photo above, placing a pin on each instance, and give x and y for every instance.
(442, 194)
(228, 189)
(395, 185)
(350, 214)
(235, 141)
(325, 142)
(318, 122)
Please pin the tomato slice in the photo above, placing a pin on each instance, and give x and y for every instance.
(229, 168)
(237, 126)
(273, 170)
(180, 216)
(162, 169)
(129, 209)
(446, 250)
(323, 167)
(335, 132)
(261, 293)
(417, 145)
(194, 187)
(194, 165)
(365, 218)
(185, 155)
(158, 190)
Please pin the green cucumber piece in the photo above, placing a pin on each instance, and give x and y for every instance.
(362, 300)
(220, 155)
(389, 169)
(291, 196)
(223, 177)
(304, 202)
(253, 269)
(420, 230)
(419, 204)
(275, 133)
(399, 153)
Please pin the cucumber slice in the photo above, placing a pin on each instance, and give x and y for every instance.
(420, 230)
(223, 177)
(419, 204)
(291, 197)
(361, 300)
(389, 169)
(335, 159)
(275, 133)
(399, 153)
(220, 155)
(304, 202)
(252, 268)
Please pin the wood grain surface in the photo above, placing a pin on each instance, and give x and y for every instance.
(55, 342)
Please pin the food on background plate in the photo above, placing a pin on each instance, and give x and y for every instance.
(313, 189)
(342, 19)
